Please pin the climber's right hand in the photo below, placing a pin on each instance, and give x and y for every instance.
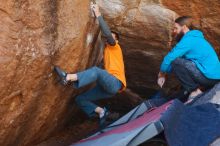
(95, 9)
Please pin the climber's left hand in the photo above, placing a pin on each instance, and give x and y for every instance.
(96, 10)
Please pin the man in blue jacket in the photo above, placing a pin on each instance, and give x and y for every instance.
(193, 60)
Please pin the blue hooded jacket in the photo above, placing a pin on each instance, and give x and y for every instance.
(193, 46)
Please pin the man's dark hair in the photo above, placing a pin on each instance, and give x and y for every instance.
(116, 35)
(185, 20)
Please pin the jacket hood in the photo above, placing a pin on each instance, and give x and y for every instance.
(195, 33)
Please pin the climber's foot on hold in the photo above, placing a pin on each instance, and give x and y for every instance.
(62, 75)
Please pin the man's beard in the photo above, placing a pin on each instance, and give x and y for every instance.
(179, 36)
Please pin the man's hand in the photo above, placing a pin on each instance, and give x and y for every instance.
(95, 9)
(161, 79)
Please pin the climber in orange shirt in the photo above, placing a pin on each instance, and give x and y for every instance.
(109, 81)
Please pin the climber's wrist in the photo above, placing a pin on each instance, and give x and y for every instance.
(161, 74)
(97, 14)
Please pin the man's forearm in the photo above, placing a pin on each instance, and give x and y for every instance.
(104, 27)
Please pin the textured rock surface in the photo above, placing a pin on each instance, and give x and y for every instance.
(206, 14)
(35, 35)
(146, 25)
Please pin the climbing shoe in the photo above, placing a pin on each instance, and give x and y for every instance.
(102, 121)
(108, 118)
(62, 75)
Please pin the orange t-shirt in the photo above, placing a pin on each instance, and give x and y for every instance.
(114, 64)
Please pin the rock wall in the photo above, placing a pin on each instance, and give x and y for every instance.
(146, 27)
(35, 36)
(205, 14)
